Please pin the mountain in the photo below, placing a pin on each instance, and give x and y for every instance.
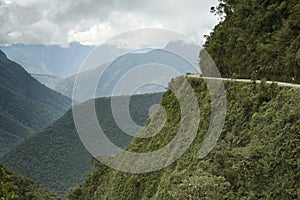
(26, 106)
(56, 157)
(187, 50)
(17, 187)
(66, 85)
(256, 156)
(48, 59)
(111, 73)
(49, 81)
(177, 54)
(57, 60)
(257, 39)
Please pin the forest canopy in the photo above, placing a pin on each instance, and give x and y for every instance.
(257, 38)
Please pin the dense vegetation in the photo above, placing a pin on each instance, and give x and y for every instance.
(257, 38)
(16, 187)
(25, 104)
(56, 157)
(256, 157)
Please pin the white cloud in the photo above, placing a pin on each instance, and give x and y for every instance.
(94, 21)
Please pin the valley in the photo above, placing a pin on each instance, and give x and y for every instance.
(93, 106)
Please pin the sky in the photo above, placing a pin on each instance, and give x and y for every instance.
(91, 22)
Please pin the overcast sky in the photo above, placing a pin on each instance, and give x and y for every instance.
(94, 21)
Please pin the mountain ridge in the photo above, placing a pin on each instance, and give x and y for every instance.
(25, 104)
(56, 157)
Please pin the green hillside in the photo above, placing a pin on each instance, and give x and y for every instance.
(56, 157)
(16, 187)
(257, 38)
(256, 157)
(26, 105)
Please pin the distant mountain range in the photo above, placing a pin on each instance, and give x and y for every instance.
(56, 157)
(177, 55)
(26, 106)
(56, 60)
(111, 73)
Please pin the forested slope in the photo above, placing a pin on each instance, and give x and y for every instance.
(56, 157)
(256, 157)
(257, 38)
(26, 105)
(17, 187)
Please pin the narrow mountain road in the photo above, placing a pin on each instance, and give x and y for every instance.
(283, 84)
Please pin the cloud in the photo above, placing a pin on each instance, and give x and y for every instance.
(94, 21)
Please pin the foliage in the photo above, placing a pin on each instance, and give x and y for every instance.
(201, 185)
(17, 187)
(25, 104)
(256, 157)
(5, 194)
(257, 36)
(56, 157)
